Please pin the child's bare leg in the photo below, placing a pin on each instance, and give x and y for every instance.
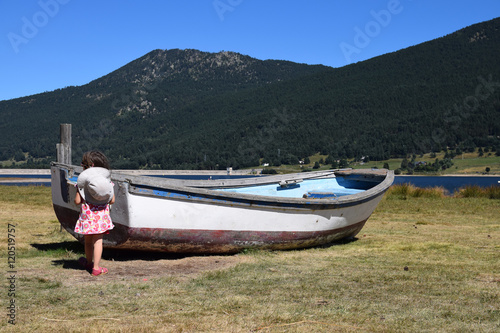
(89, 248)
(97, 239)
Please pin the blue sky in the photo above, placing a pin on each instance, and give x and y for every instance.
(51, 44)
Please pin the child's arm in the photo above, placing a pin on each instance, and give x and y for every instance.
(112, 200)
(78, 198)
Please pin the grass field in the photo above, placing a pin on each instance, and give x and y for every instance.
(423, 263)
(465, 164)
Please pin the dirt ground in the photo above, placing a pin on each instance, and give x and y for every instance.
(133, 265)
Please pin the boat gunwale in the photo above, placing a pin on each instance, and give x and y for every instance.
(164, 184)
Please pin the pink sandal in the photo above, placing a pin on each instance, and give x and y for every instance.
(100, 271)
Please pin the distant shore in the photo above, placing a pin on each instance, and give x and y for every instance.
(139, 172)
(210, 172)
(453, 175)
(24, 171)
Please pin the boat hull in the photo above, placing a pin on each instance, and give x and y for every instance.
(188, 218)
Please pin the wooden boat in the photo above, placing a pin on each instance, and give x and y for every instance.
(226, 216)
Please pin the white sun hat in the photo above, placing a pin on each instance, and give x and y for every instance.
(94, 185)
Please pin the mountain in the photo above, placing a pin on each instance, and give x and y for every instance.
(185, 109)
(127, 102)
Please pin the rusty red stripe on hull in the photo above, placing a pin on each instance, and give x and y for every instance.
(207, 241)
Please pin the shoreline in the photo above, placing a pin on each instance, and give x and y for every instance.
(24, 171)
(453, 175)
(208, 172)
(20, 172)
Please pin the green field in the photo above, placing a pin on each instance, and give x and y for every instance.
(465, 164)
(422, 263)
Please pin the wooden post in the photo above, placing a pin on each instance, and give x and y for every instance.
(64, 148)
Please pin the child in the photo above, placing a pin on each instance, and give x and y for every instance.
(95, 194)
(94, 158)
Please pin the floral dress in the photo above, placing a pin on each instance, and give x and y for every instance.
(94, 219)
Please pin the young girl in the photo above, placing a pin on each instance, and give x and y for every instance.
(95, 194)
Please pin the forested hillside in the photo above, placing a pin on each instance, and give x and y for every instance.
(185, 109)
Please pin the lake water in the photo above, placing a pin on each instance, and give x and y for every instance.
(450, 183)
(25, 179)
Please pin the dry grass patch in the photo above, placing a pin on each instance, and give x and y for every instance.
(474, 191)
(421, 264)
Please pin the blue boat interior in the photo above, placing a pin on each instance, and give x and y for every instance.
(309, 188)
